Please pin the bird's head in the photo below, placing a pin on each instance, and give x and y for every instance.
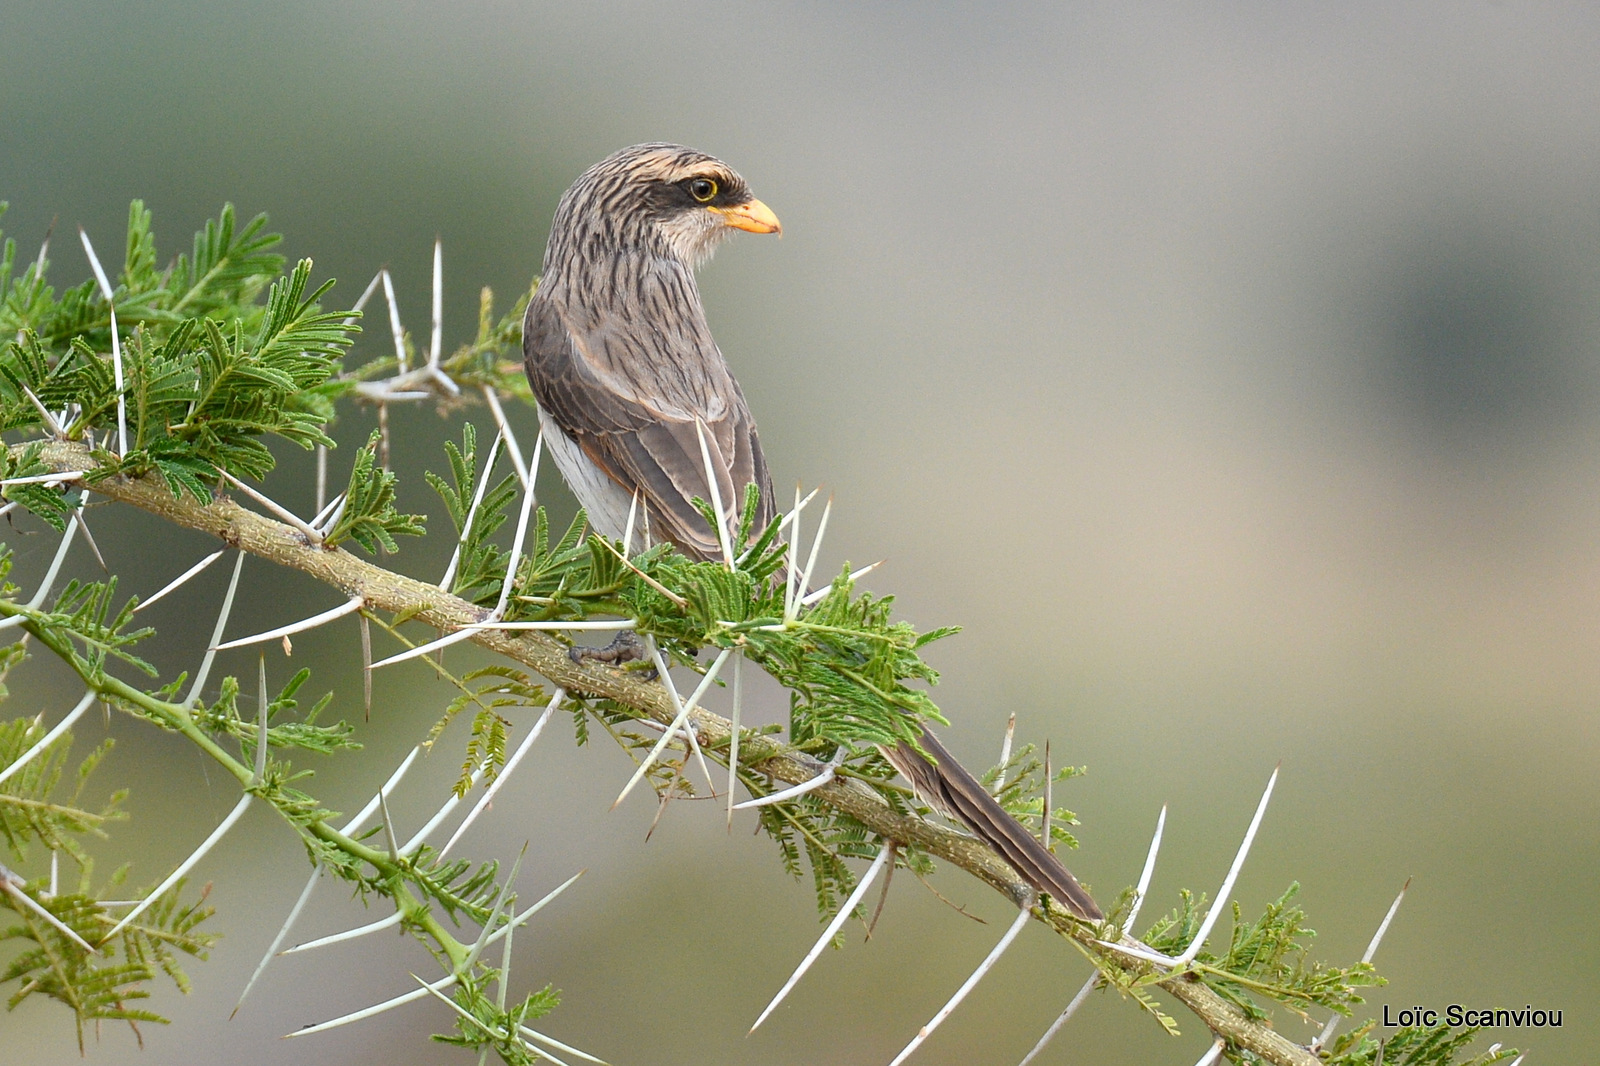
(661, 199)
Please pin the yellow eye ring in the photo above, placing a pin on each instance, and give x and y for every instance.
(703, 190)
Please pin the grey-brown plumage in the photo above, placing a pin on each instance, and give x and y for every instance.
(619, 354)
(622, 363)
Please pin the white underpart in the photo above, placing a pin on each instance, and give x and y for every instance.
(604, 500)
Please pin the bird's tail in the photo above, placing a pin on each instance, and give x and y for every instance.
(950, 789)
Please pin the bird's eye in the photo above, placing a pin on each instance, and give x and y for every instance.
(702, 189)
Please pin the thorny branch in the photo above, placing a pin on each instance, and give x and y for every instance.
(385, 590)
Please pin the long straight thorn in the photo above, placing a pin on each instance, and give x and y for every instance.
(558, 1045)
(444, 811)
(1062, 1019)
(178, 581)
(50, 737)
(792, 576)
(324, 511)
(322, 475)
(1044, 823)
(1366, 956)
(366, 294)
(277, 941)
(984, 967)
(388, 826)
(1218, 904)
(1005, 751)
(388, 786)
(116, 344)
(472, 511)
(627, 531)
(400, 358)
(516, 542)
(733, 732)
(184, 867)
(423, 649)
(366, 664)
(312, 534)
(216, 634)
(715, 488)
(349, 934)
(1143, 888)
(816, 544)
(855, 575)
(261, 724)
(838, 920)
(9, 884)
(494, 911)
(52, 423)
(492, 398)
(678, 721)
(1213, 1053)
(436, 342)
(444, 982)
(350, 606)
(55, 563)
(810, 784)
(505, 771)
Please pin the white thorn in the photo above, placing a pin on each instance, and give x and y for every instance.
(55, 871)
(444, 811)
(602, 626)
(816, 544)
(387, 821)
(283, 932)
(216, 634)
(312, 534)
(558, 1045)
(1213, 1053)
(178, 581)
(828, 933)
(50, 420)
(422, 649)
(516, 541)
(435, 344)
(322, 475)
(366, 294)
(50, 737)
(350, 606)
(55, 563)
(715, 488)
(505, 771)
(349, 934)
(1138, 951)
(325, 510)
(492, 398)
(792, 577)
(14, 890)
(1062, 1019)
(376, 1009)
(679, 720)
(733, 732)
(261, 724)
(337, 507)
(1005, 752)
(183, 868)
(809, 785)
(1221, 900)
(1372, 949)
(816, 597)
(472, 511)
(394, 321)
(627, 531)
(494, 912)
(43, 479)
(116, 344)
(388, 786)
(1149, 870)
(961, 993)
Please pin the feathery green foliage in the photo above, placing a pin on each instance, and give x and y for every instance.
(368, 515)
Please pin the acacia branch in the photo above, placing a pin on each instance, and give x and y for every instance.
(386, 590)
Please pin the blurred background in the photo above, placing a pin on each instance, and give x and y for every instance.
(1231, 373)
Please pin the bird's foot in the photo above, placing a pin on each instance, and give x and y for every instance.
(626, 648)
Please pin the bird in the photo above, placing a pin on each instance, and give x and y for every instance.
(629, 383)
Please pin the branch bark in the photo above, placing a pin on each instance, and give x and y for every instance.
(386, 590)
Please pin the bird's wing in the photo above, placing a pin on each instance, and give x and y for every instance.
(630, 393)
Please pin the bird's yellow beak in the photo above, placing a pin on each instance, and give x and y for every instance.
(752, 217)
